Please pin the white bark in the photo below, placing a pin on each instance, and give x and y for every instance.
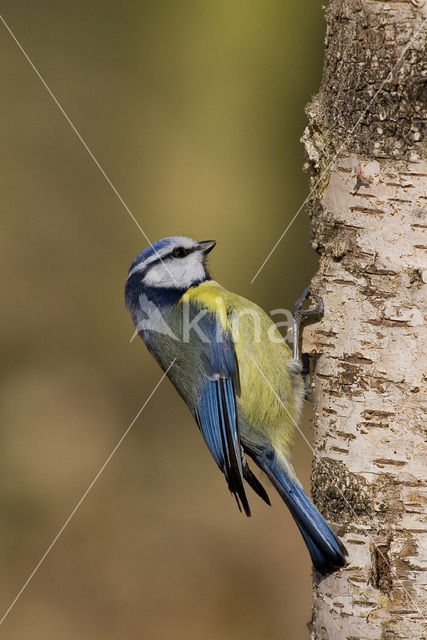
(369, 225)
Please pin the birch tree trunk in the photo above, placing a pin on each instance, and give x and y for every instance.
(364, 145)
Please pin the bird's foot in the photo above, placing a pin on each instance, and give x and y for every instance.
(302, 316)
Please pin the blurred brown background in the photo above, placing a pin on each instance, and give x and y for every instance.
(195, 110)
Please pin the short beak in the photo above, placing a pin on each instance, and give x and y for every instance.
(207, 245)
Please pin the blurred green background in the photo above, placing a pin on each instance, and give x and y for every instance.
(195, 110)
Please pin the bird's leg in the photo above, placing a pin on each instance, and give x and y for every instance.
(301, 317)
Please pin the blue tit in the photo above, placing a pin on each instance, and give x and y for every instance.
(239, 378)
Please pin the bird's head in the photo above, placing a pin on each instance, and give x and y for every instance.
(175, 263)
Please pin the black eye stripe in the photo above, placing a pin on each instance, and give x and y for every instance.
(182, 252)
(141, 274)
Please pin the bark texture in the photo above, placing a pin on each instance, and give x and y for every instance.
(365, 148)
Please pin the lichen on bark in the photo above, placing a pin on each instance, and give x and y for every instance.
(365, 147)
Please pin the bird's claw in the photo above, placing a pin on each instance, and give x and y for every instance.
(302, 316)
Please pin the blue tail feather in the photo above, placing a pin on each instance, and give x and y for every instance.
(326, 550)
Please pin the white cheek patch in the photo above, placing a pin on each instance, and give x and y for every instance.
(178, 273)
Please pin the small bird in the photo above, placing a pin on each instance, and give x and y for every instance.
(240, 380)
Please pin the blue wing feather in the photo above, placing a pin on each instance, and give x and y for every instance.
(216, 410)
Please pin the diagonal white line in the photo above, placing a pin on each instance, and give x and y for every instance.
(404, 50)
(315, 454)
(74, 128)
(58, 535)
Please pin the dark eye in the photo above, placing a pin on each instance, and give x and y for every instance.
(179, 252)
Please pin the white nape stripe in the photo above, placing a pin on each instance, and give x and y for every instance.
(139, 267)
(158, 255)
